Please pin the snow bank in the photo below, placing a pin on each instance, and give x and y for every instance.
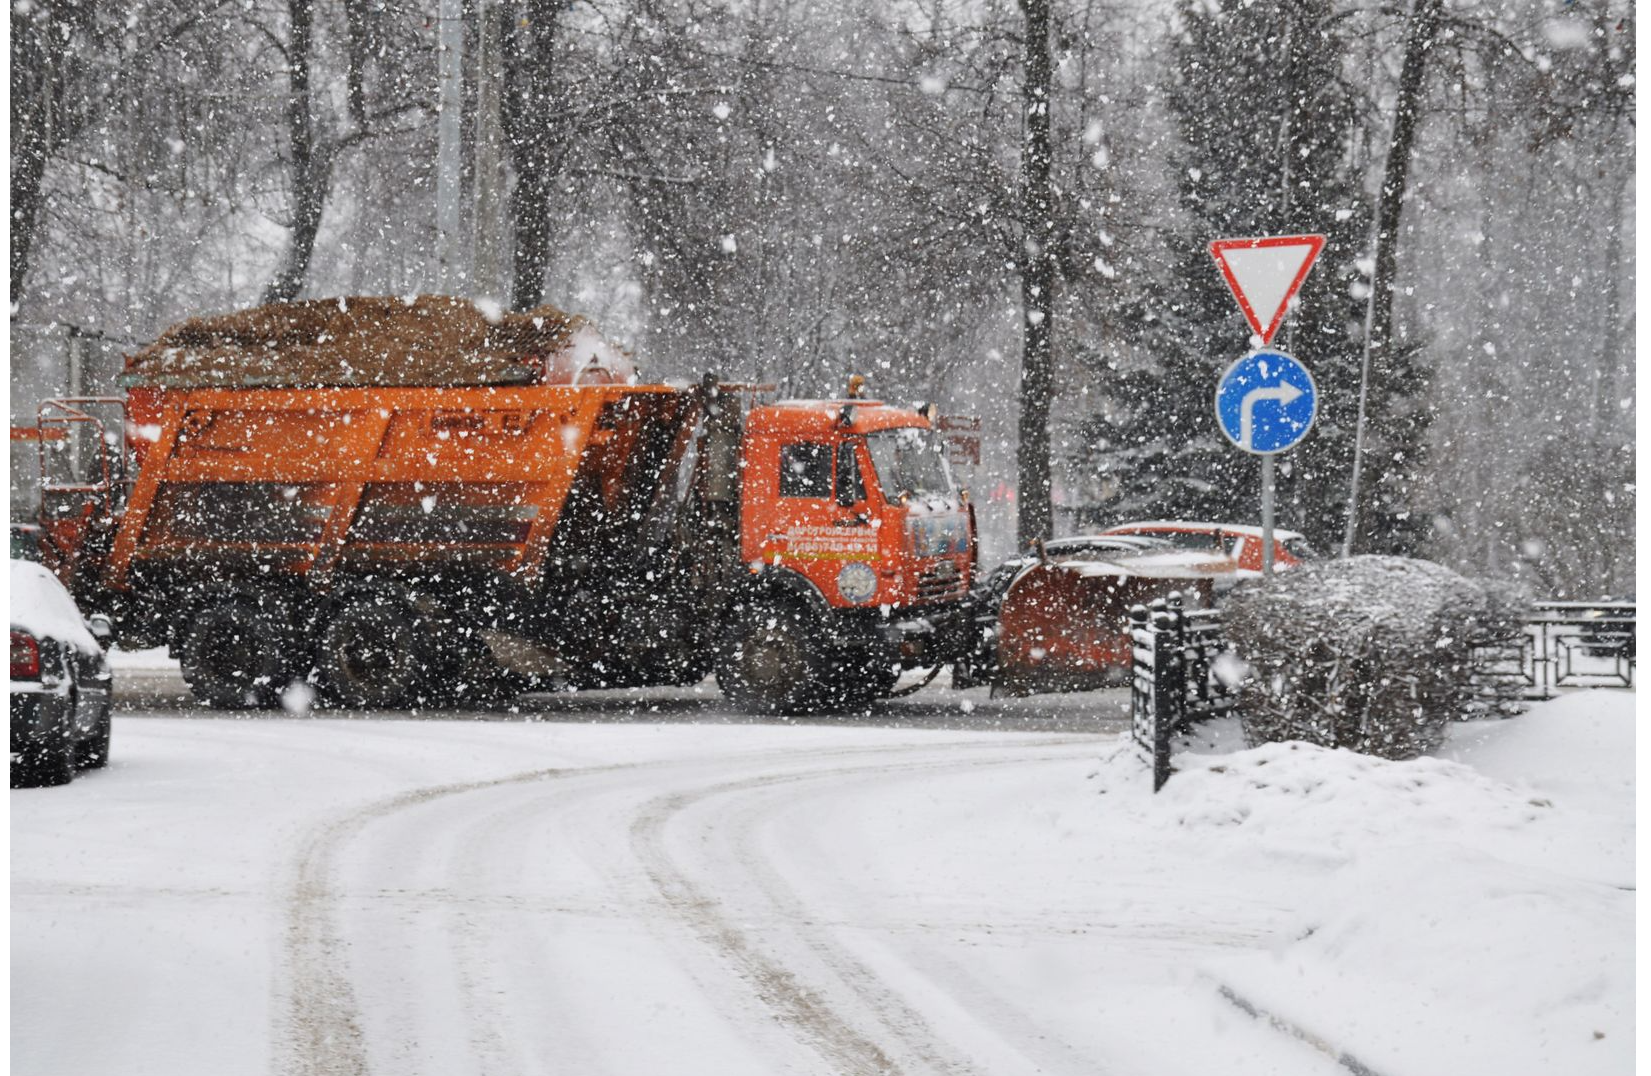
(1475, 912)
(1437, 959)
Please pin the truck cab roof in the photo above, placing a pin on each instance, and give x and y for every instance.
(823, 417)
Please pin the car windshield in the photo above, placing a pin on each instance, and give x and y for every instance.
(909, 460)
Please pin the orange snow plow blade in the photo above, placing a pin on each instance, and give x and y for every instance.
(1064, 624)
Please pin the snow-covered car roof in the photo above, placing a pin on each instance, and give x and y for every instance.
(41, 607)
(1197, 525)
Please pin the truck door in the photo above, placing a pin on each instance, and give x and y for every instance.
(819, 526)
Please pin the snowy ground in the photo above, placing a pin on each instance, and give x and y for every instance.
(955, 885)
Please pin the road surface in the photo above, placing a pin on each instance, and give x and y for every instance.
(641, 883)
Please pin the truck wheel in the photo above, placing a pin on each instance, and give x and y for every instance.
(767, 662)
(368, 657)
(234, 656)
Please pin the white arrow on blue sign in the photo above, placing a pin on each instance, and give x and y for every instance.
(1265, 402)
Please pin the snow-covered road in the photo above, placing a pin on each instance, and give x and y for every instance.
(607, 891)
(490, 896)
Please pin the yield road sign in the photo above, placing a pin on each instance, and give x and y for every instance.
(1264, 274)
(1265, 402)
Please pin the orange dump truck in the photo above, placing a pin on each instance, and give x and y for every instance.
(415, 502)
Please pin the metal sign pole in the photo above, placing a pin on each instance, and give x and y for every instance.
(1266, 517)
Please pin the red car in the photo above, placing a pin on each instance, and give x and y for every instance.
(1240, 542)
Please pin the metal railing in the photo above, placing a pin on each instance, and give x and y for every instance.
(1174, 653)
(1563, 646)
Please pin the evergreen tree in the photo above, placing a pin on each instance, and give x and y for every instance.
(1269, 144)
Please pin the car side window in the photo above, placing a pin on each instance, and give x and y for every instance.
(805, 470)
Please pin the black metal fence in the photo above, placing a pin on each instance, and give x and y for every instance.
(1563, 646)
(1175, 650)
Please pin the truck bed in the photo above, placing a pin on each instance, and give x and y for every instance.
(306, 480)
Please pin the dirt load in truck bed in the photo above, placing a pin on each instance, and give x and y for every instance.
(370, 341)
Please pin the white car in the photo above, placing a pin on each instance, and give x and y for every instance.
(60, 682)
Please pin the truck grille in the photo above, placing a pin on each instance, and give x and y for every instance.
(940, 582)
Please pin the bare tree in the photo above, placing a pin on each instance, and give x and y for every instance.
(530, 125)
(312, 151)
(1037, 280)
(1421, 32)
(310, 162)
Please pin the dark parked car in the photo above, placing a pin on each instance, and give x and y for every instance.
(25, 541)
(59, 682)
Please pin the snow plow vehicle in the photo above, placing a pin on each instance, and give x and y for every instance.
(386, 502)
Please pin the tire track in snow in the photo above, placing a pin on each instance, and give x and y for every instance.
(846, 1047)
(322, 1035)
(321, 1032)
(989, 1011)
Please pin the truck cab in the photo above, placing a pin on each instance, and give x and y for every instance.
(857, 499)
(859, 547)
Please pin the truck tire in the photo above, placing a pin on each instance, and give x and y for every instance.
(369, 655)
(234, 656)
(769, 661)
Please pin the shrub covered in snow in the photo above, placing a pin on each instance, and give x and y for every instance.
(1370, 653)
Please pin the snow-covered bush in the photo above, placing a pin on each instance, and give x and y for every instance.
(1370, 653)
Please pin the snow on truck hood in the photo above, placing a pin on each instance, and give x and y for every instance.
(41, 607)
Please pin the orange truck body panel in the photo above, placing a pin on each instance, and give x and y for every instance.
(324, 478)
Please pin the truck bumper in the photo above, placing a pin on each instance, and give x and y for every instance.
(927, 636)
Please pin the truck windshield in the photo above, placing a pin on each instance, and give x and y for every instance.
(909, 460)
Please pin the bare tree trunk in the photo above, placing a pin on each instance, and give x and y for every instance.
(529, 117)
(28, 169)
(1607, 375)
(1420, 31)
(36, 87)
(311, 163)
(1037, 283)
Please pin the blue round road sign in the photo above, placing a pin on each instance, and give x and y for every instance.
(1265, 402)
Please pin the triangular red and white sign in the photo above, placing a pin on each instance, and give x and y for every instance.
(1265, 273)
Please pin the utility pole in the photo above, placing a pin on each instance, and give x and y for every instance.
(486, 275)
(1037, 278)
(450, 271)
